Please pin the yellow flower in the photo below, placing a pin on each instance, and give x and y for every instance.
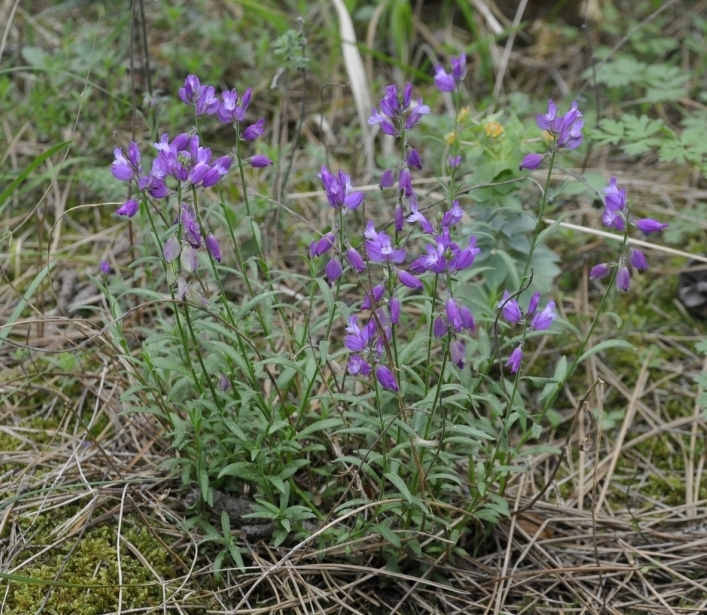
(463, 112)
(493, 129)
(450, 138)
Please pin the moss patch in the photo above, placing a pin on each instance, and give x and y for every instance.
(93, 561)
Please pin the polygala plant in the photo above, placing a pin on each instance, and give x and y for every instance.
(352, 387)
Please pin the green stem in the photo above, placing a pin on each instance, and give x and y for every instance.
(538, 225)
(182, 333)
(430, 336)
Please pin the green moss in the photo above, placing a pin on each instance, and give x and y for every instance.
(93, 561)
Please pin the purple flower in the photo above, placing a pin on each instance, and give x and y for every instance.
(128, 168)
(382, 121)
(386, 378)
(254, 130)
(104, 266)
(434, 260)
(453, 317)
(258, 161)
(615, 199)
(459, 316)
(648, 225)
(218, 169)
(567, 130)
(191, 90)
(373, 297)
(190, 227)
(533, 304)
(213, 247)
(355, 259)
(418, 112)
(405, 186)
(467, 318)
(207, 102)
(453, 215)
(393, 106)
(333, 270)
(443, 81)
(510, 308)
(180, 143)
(387, 179)
(571, 137)
(129, 209)
(638, 259)
(413, 159)
(463, 259)
(182, 288)
(189, 259)
(453, 162)
(449, 82)
(233, 108)
(358, 366)
(409, 280)
(515, 359)
(599, 271)
(322, 246)
(394, 310)
(544, 319)
(358, 339)
(171, 249)
(623, 278)
(416, 216)
(549, 120)
(614, 219)
(339, 191)
(380, 249)
(458, 352)
(223, 383)
(439, 327)
(399, 217)
(531, 161)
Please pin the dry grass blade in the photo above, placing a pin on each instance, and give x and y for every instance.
(357, 78)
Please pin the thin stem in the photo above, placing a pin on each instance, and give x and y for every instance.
(538, 224)
(430, 336)
(182, 334)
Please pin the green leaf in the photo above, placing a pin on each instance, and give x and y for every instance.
(5, 194)
(472, 432)
(321, 425)
(241, 469)
(605, 345)
(24, 300)
(387, 533)
(400, 485)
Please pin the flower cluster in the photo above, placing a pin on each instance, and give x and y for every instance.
(230, 109)
(398, 112)
(531, 319)
(456, 318)
(617, 216)
(368, 346)
(341, 196)
(566, 132)
(339, 191)
(446, 82)
(183, 162)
